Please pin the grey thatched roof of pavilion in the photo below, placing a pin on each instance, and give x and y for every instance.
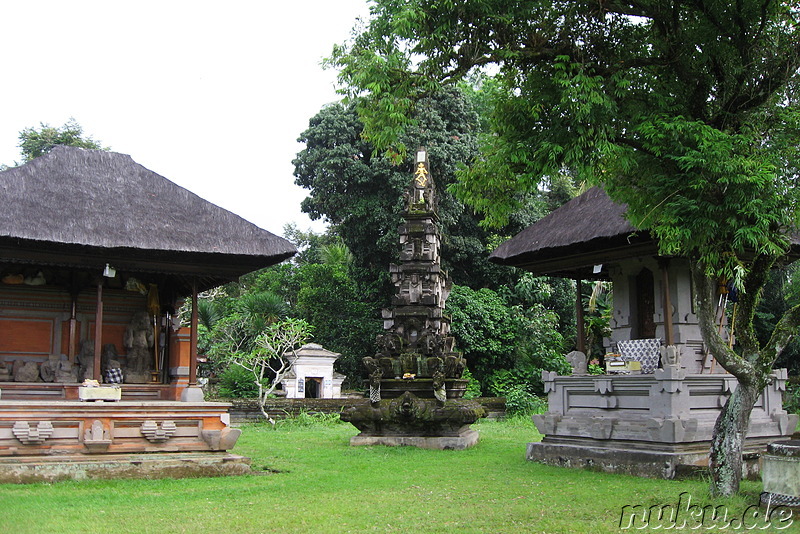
(104, 203)
(589, 229)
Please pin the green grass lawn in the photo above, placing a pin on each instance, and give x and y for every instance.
(313, 481)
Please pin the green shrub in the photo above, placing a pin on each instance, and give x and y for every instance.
(309, 419)
(501, 381)
(473, 386)
(519, 401)
(791, 398)
(236, 382)
(596, 369)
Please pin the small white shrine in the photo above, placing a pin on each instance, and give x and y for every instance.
(312, 375)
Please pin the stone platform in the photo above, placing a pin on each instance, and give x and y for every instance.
(637, 459)
(92, 439)
(657, 425)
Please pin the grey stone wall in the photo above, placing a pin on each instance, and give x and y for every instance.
(246, 410)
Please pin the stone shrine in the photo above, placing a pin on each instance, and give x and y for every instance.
(312, 375)
(415, 378)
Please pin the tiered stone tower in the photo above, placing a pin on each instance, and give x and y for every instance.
(415, 378)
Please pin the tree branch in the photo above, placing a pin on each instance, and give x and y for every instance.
(748, 299)
(784, 331)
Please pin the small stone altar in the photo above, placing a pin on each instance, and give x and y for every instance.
(415, 380)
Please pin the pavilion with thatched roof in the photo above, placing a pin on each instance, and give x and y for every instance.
(655, 416)
(91, 242)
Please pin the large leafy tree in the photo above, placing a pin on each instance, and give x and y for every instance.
(686, 110)
(361, 193)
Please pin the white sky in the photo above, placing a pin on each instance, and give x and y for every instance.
(211, 95)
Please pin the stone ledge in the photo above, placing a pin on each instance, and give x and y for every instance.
(465, 440)
(28, 469)
(642, 462)
(244, 410)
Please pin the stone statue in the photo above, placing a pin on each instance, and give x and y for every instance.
(5, 375)
(27, 372)
(375, 374)
(59, 369)
(85, 359)
(107, 355)
(670, 356)
(577, 360)
(66, 372)
(48, 368)
(138, 341)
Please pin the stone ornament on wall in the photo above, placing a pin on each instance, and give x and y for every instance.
(158, 433)
(32, 435)
(97, 438)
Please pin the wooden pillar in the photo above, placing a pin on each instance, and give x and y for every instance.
(193, 339)
(581, 342)
(73, 326)
(669, 337)
(98, 331)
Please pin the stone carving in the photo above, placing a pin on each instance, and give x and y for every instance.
(32, 435)
(107, 355)
(26, 372)
(408, 415)
(221, 440)
(97, 438)
(158, 433)
(48, 368)
(85, 359)
(58, 369)
(670, 356)
(138, 341)
(577, 360)
(375, 374)
(5, 374)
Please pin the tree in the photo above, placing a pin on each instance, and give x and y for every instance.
(330, 299)
(506, 346)
(34, 143)
(361, 194)
(273, 355)
(686, 110)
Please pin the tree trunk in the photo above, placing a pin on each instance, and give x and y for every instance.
(730, 430)
(262, 401)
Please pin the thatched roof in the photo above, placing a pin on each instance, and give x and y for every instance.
(92, 203)
(588, 230)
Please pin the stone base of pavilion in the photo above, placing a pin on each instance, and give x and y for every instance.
(43, 440)
(639, 459)
(657, 425)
